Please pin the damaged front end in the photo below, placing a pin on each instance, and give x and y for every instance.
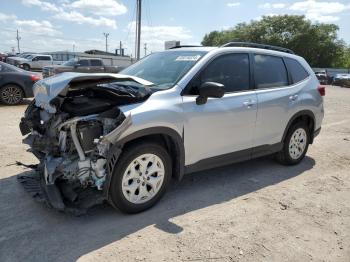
(72, 127)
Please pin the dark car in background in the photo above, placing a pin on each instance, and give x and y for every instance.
(82, 65)
(15, 84)
(342, 80)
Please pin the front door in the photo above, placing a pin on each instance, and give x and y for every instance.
(222, 125)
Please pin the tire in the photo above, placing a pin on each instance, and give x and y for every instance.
(127, 188)
(11, 94)
(26, 67)
(295, 144)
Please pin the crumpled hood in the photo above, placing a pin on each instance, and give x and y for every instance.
(47, 89)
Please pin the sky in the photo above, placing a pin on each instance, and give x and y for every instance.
(46, 25)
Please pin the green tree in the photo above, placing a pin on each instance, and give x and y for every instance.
(317, 43)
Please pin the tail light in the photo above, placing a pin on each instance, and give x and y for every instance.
(321, 90)
(34, 78)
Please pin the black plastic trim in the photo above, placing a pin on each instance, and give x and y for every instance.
(234, 157)
(255, 45)
(179, 160)
(300, 113)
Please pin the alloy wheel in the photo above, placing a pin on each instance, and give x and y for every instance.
(143, 178)
(297, 143)
(11, 95)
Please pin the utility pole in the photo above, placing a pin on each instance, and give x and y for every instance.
(18, 38)
(145, 48)
(121, 50)
(138, 30)
(106, 36)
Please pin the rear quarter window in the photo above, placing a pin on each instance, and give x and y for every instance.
(296, 70)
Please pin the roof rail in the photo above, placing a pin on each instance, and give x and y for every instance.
(255, 45)
(180, 46)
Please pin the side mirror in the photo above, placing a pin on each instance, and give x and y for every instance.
(35, 59)
(210, 89)
(76, 65)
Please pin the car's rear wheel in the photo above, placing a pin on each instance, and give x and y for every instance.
(295, 145)
(11, 94)
(140, 178)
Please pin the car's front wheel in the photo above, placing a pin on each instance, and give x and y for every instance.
(296, 144)
(140, 178)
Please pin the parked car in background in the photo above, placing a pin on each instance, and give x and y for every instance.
(2, 57)
(83, 65)
(322, 77)
(342, 80)
(15, 59)
(15, 84)
(36, 62)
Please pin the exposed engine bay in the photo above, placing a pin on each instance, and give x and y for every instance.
(72, 130)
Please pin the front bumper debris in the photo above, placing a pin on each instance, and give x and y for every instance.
(50, 195)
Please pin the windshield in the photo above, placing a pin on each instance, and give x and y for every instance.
(70, 62)
(164, 69)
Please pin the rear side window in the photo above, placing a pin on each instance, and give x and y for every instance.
(43, 58)
(269, 71)
(96, 62)
(231, 70)
(296, 70)
(84, 62)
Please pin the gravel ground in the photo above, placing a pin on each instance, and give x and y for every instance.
(252, 211)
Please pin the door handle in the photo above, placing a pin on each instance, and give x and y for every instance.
(249, 103)
(293, 98)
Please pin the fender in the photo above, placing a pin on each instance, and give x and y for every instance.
(177, 145)
(300, 113)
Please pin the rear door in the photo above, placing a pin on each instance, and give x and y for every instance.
(278, 97)
(96, 66)
(83, 66)
(222, 125)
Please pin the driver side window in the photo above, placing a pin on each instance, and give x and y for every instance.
(231, 70)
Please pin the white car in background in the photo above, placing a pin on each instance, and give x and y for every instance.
(36, 62)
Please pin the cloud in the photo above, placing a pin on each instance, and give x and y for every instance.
(105, 7)
(37, 27)
(320, 11)
(100, 7)
(5, 17)
(46, 6)
(155, 36)
(272, 6)
(76, 17)
(233, 4)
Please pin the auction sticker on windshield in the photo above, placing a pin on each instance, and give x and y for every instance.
(188, 58)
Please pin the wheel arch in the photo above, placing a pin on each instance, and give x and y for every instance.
(306, 116)
(169, 138)
(26, 64)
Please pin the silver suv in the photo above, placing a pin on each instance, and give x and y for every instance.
(122, 137)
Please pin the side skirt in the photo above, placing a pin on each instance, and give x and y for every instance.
(234, 157)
